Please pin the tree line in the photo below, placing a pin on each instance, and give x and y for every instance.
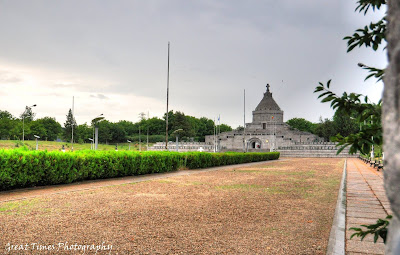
(191, 128)
(341, 123)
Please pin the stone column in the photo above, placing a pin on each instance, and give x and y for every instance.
(391, 124)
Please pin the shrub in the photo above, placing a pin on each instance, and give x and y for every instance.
(21, 168)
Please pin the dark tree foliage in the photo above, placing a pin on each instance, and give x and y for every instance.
(52, 128)
(28, 114)
(325, 129)
(301, 124)
(68, 126)
(119, 132)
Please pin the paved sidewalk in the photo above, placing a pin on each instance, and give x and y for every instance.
(366, 203)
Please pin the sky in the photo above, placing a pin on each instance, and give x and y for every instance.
(111, 56)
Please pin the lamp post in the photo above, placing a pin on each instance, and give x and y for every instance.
(23, 122)
(95, 121)
(177, 138)
(129, 144)
(91, 143)
(140, 141)
(37, 142)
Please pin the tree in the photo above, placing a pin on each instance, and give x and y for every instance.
(28, 114)
(180, 121)
(118, 133)
(225, 128)
(6, 124)
(325, 129)
(345, 124)
(83, 132)
(52, 127)
(105, 135)
(301, 124)
(69, 123)
(142, 116)
(36, 128)
(6, 114)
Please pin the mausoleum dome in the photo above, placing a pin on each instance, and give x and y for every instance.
(268, 103)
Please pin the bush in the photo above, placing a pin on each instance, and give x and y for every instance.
(21, 168)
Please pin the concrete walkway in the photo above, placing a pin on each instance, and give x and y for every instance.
(366, 202)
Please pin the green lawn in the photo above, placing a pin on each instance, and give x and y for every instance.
(51, 145)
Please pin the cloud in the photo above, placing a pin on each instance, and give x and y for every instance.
(9, 77)
(99, 96)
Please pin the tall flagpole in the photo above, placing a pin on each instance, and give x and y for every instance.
(147, 145)
(72, 138)
(244, 120)
(214, 136)
(218, 132)
(166, 126)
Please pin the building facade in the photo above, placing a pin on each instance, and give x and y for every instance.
(268, 132)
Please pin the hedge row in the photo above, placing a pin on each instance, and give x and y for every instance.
(20, 168)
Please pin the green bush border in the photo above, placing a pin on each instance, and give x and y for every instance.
(20, 168)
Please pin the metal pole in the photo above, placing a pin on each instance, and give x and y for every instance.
(166, 126)
(177, 142)
(147, 139)
(37, 144)
(244, 120)
(93, 135)
(23, 127)
(372, 148)
(214, 136)
(96, 137)
(72, 126)
(140, 142)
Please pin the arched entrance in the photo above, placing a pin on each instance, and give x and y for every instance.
(254, 143)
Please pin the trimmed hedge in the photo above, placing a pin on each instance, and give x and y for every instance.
(19, 168)
(204, 159)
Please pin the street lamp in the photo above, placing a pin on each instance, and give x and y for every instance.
(177, 137)
(23, 122)
(37, 143)
(95, 121)
(129, 144)
(91, 143)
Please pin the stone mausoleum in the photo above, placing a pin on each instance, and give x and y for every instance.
(268, 132)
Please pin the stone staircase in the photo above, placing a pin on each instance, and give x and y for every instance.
(315, 150)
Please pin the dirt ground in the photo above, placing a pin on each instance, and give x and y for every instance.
(279, 207)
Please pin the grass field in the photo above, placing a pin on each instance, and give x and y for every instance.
(277, 207)
(51, 145)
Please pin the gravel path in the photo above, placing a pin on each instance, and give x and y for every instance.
(277, 207)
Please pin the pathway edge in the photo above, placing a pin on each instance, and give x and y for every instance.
(337, 244)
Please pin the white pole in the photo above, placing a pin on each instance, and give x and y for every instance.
(244, 120)
(23, 127)
(147, 140)
(93, 135)
(96, 137)
(166, 126)
(72, 126)
(214, 135)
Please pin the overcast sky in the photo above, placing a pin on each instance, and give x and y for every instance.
(112, 56)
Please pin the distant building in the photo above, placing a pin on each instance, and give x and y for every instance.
(268, 132)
